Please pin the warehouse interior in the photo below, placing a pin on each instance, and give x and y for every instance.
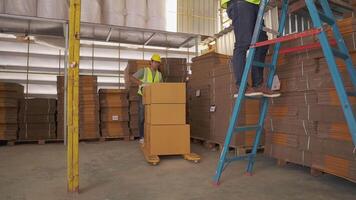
(71, 109)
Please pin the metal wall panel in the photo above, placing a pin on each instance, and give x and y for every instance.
(198, 16)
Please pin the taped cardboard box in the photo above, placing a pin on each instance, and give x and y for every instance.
(334, 165)
(113, 98)
(8, 115)
(335, 130)
(330, 97)
(291, 126)
(37, 131)
(115, 129)
(289, 154)
(167, 93)
(37, 118)
(165, 114)
(296, 98)
(167, 139)
(114, 114)
(322, 113)
(38, 106)
(8, 102)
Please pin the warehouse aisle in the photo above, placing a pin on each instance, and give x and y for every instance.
(117, 170)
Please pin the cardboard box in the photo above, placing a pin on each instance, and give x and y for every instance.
(167, 139)
(114, 114)
(157, 114)
(114, 129)
(165, 93)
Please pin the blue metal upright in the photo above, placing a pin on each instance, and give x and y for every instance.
(329, 53)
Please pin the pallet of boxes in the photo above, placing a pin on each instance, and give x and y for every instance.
(11, 95)
(306, 125)
(172, 69)
(88, 108)
(166, 131)
(114, 114)
(211, 90)
(38, 120)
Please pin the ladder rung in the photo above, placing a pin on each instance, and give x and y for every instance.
(340, 54)
(236, 158)
(259, 64)
(246, 128)
(326, 19)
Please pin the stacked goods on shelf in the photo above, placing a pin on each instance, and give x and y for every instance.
(38, 119)
(114, 113)
(306, 125)
(161, 100)
(211, 98)
(10, 96)
(132, 67)
(88, 107)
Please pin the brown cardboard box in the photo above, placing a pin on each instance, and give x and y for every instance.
(165, 93)
(114, 114)
(113, 98)
(167, 139)
(165, 114)
(115, 129)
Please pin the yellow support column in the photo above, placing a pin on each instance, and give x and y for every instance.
(73, 97)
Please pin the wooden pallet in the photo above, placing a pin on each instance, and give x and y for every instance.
(118, 138)
(215, 146)
(155, 159)
(7, 142)
(313, 171)
(41, 142)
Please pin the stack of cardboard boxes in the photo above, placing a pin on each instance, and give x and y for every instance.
(211, 100)
(88, 107)
(166, 131)
(38, 119)
(132, 67)
(10, 96)
(306, 124)
(114, 113)
(174, 70)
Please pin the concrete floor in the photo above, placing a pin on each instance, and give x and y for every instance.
(117, 170)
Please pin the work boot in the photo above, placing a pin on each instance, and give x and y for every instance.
(268, 92)
(253, 92)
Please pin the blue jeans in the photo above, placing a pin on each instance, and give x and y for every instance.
(244, 15)
(141, 117)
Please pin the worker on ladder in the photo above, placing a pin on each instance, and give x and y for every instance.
(243, 14)
(142, 77)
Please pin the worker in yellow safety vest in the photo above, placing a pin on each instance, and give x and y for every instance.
(243, 14)
(142, 77)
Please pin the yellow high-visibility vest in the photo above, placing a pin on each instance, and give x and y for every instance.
(148, 78)
(223, 3)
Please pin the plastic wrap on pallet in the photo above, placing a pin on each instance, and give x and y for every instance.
(91, 11)
(136, 13)
(55, 9)
(20, 7)
(114, 12)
